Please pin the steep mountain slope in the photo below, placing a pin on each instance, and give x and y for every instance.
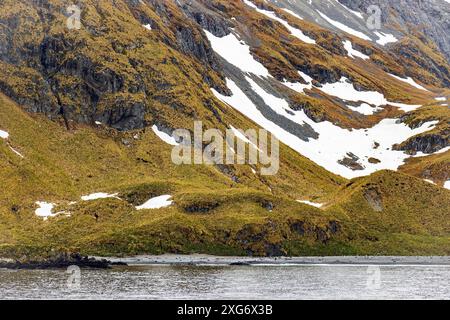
(432, 18)
(92, 110)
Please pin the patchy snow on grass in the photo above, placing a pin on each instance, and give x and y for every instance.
(346, 91)
(99, 195)
(314, 204)
(385, 38)
(164, 136)
(4, 134)
(147, 26)
(365, 109)
(156, 203)
(352, 53)
(441, 99)
(409, 81)
(429, 181)
(334, 143)
(294, 31)
(344, 28)
(45, 210)
(237, 53)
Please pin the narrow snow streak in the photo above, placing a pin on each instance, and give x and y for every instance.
(344, 28)
(242, 136)
(356, 13)
(292, 13)
(409, 81)
(164, 136)
(314, 204)
(99, 195)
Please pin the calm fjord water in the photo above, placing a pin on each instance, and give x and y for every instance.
(233, 282)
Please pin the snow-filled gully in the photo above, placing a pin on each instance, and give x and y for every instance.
(372, 148)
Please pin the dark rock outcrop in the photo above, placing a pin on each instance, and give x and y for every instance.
(59, 262)
(428, 143)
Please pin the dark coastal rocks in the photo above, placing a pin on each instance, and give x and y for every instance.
(59, 262)
(321, 234)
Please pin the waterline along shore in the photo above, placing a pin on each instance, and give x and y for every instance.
(198, 259)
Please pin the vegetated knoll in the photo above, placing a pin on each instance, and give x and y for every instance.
(387, 203)
(435, 168)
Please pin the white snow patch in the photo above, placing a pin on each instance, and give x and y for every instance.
(365, 109)
(294, 31)
(334, 142)
(164, 136)
(237, 53)
(385, 38)
(99, 195)
(156, 203)
(147, 26)
(429, 181)
(45, 210)
(409, 81)
(4, 134)
(344, 28)
(352, 53)
(447, 185)
(441, 99)
(314, 204)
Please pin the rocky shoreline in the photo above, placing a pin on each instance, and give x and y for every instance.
(59, 262)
